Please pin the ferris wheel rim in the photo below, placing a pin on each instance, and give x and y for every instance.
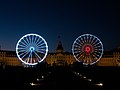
(31, 34)
(91, 36)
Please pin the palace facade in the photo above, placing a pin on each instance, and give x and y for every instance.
(109, 58)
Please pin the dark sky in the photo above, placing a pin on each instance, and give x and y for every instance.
(67, 18)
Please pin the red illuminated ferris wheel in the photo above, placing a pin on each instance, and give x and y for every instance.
(87, 49)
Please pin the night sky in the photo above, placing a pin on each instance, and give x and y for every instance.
(67, 18)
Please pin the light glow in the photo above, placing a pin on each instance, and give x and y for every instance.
(99, 84)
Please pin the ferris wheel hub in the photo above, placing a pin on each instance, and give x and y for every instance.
(87, 49)
(32, 48)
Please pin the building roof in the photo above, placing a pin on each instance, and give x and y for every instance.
(116, 49)
(59, 47)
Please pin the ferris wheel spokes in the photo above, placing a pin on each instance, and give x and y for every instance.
(88, 49)
(31, 49)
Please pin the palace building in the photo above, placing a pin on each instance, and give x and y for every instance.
(59, 57)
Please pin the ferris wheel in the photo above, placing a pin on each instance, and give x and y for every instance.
(31, 49)
(87, 49)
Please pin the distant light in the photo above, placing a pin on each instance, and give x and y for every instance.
(32, 84)
(37, 79)
(80, 74)
(99, 84)
(43, 77)
(89, 80)
(77, 73)
(84, 77)
(49, 72)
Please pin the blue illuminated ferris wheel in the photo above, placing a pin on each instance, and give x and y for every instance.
(31, 49)
(87, 49)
